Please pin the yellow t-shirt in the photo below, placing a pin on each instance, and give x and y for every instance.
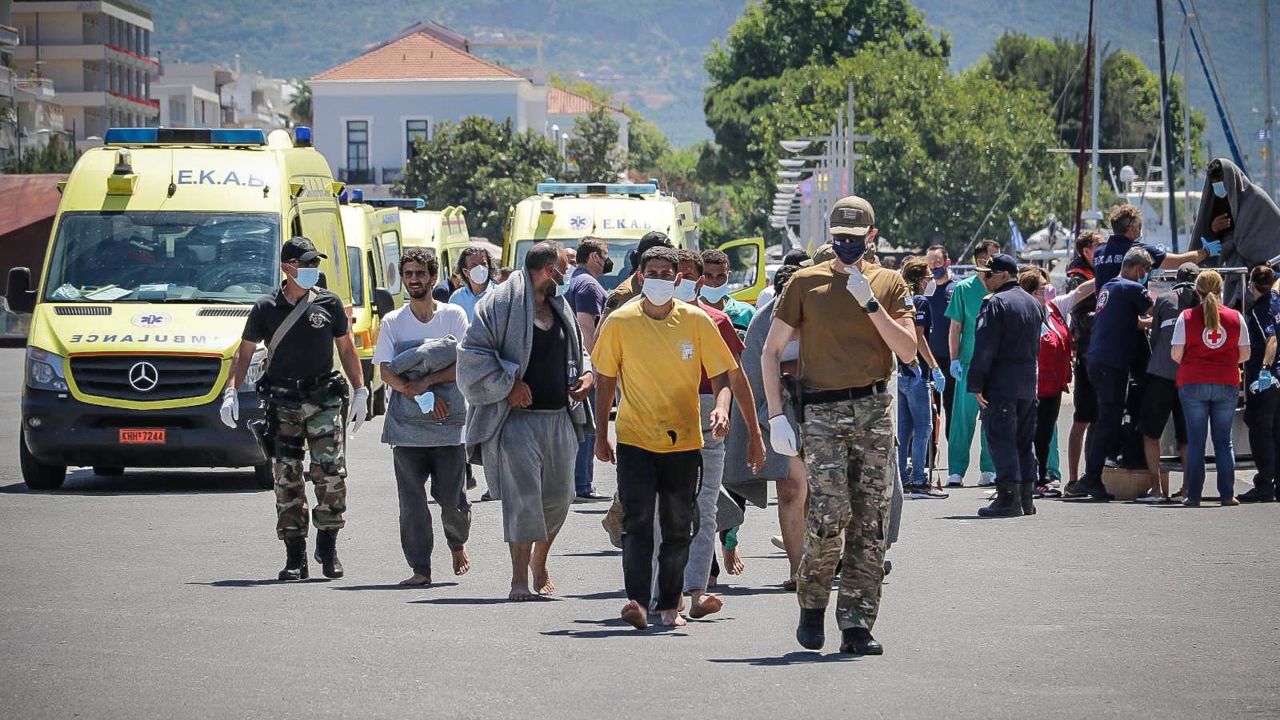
(660, 363)
(839, 346)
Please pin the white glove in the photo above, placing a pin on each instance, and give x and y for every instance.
(781, 437)
(359, 408)
(230, 412)
(858, 286)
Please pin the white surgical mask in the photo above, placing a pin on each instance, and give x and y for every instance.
(1220, 189)
(715, 294)
(685, 291)
(307, 277)
(479, 274)
(659, 292)
(930, 289)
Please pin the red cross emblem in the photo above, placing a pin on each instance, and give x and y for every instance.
(1214, 339)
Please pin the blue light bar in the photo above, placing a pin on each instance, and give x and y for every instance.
(404, 203)
(302, 136)
(184, 136)
(596, 188)
(357, 195)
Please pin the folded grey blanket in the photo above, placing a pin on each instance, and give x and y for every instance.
(405, 423)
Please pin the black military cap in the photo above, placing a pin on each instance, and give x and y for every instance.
(300, 249)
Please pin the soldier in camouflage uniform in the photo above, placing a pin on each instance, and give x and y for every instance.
(850, 326)
(306, 403)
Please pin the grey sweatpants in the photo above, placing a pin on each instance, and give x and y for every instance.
(531, 461)
(444, 467)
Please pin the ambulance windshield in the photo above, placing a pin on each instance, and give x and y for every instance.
(619, 252)
(164, 257)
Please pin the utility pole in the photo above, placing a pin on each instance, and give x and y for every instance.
(1268, 124)
(1169, 178)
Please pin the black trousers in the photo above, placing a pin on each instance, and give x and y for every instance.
(1010, 429)
(1047, 409)
(669, 482)
(1109, 385)
(1262, 415)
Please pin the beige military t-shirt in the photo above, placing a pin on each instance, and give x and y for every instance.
(839, 346)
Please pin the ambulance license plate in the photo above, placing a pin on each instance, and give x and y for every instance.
(141, 436)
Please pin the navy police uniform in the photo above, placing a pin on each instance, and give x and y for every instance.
(1003, 370)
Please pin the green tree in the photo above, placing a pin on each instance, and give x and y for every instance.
(646, 145)
(58, 156)
(1130, 107)
(301, 112)
(593, 148)
(482, 165)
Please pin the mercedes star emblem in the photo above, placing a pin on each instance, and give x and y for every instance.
(143, 377)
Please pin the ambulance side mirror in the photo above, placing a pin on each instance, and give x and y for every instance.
(18, 294)
(383, 302)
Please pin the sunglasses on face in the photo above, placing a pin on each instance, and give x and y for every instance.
(313, 264)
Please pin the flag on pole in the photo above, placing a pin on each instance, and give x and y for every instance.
(1264, 134)
(1015, 237)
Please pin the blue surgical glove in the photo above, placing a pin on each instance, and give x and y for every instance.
(939, 380)
(1265, 382)
(1213, 247)
(956, 368)
(426, 402)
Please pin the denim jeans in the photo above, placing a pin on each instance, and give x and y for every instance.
(584, 467)
(915, 425)
(1209, 410)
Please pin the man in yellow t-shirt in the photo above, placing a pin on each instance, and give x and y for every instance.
(658, 348)
(851, 317)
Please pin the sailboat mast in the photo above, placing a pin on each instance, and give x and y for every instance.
(1269, 123)
(1084, 118)
(1169, 178)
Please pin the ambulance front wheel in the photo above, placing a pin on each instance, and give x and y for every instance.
(37, 475)
(263, 477)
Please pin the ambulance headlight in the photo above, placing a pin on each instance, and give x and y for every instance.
(44, 371)
(256, 366)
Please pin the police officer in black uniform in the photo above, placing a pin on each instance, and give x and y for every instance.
(306, 403)
(1002, 374)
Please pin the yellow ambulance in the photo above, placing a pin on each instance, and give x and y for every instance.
(372, 231)
(162, 242)
(621, 213)
(442, 232)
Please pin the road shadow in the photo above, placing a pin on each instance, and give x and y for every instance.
(85, 482)
(616, 627)
(258, 582)
(608, 595)
(962, 517)
(398, 586)
(481, 601)
(592, 511)
(798, 657)
(744, 590)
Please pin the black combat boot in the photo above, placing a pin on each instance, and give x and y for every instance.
(327, 553)
(1007, 502)
(1028, 496)
(858, 641)
(810, 632)
(295, 564)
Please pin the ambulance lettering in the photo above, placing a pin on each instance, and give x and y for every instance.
(217, 177)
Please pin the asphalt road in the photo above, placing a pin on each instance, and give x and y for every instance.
(153, 595)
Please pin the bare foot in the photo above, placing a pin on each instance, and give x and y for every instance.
(705, 604)
(671, 618)
(733, 562)
(1230, 502)
(541, 579)
(418, 580)
(520, 593)
(461, 563)
(637, 616)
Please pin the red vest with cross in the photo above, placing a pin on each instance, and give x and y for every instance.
(1212, 357)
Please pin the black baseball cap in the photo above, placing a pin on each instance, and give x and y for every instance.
(1001, 262)
(300, 249)
(652, 239)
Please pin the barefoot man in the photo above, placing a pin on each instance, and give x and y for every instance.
(524, 375)
(417, 354)
(660, 347)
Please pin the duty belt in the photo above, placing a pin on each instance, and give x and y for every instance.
(304, 384)
(821, 397)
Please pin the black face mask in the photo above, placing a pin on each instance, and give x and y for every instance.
(608, 265)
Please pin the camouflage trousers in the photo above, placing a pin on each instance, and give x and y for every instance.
(847, 447)
(318, 426)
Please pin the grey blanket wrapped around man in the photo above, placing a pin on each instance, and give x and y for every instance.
(405, 423)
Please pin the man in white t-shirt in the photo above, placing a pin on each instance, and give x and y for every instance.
(425, 416)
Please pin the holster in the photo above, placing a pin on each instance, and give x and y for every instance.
(792, 385)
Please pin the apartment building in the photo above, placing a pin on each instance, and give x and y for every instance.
(97, 56)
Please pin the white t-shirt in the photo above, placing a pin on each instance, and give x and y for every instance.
(1180, 332)
(401, 325)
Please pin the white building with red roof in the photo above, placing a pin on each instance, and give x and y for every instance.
(367, 112)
